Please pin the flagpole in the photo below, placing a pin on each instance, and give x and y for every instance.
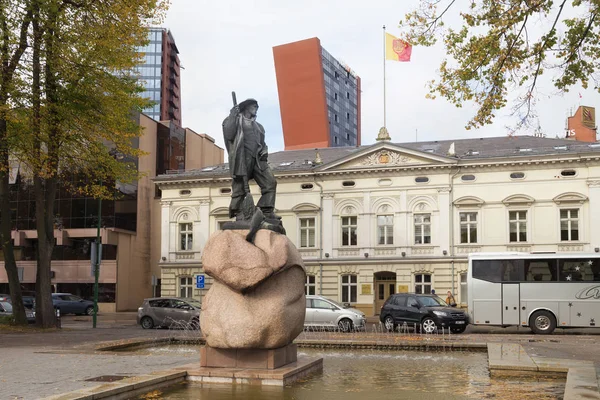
(384, 96)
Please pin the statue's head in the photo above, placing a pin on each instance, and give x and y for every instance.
(249, 107)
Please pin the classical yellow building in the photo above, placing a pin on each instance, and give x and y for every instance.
(385, 218)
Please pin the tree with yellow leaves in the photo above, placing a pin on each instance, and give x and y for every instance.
(81, 103)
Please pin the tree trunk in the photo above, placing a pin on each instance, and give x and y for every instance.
(44, 189)
(6, 242)
(45, 317)
(5, 232)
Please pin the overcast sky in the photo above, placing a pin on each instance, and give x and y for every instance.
(227, 45)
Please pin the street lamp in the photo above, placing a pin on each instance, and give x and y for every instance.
(118, 156)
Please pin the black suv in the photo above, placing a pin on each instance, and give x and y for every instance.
(425, 311)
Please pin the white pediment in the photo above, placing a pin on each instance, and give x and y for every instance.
(468, 201)
(305, 207)
(518, 200)
(570, 197)
(386, 155)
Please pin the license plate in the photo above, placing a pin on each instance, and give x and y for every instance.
(459, 322)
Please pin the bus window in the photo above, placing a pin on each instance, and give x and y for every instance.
(543, 270)
(512, 271)
(579, 270)
(488, 270)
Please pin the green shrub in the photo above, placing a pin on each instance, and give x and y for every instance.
(7, 320)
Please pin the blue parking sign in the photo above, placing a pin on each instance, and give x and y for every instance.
(199, 281)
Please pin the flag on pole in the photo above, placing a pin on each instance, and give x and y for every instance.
(397, 49)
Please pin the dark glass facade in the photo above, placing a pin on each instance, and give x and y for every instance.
(170, 154)
(342, 93)
(75, 211)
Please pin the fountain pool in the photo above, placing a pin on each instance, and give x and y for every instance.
(362, 374)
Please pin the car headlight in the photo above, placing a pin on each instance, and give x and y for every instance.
(441, 313)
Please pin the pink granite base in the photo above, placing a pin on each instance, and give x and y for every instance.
(281, 376)
(248, 358)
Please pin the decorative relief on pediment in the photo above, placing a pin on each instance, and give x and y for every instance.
(386, 157)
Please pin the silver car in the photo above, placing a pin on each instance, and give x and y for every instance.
(6, 310)
(169, 312)
(324, 312)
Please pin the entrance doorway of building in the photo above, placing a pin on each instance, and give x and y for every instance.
(385, 286)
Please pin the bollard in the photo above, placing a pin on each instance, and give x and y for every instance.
(58, 323)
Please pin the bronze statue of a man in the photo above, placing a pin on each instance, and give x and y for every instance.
(248, 153)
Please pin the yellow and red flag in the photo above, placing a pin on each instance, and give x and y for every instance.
(397, 49)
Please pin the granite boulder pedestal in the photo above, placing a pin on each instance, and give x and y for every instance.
(256, 305)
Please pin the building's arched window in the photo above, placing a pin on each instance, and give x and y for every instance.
(310, 287)
(349, 225)
(423, 283)
(349, 288)
(186, 236)
(422, 228)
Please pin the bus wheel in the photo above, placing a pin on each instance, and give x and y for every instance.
(542, 322)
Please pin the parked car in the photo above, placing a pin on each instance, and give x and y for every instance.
(6, 309)
(67, 303)
(28, 301)
(425, 311)
(167, 311)
(324, 312)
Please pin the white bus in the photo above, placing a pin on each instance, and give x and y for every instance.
(541, 291)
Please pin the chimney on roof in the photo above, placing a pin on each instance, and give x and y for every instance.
(581, 126)
(451, 150)
(318, 159)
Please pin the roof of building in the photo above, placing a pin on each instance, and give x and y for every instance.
(464, 149)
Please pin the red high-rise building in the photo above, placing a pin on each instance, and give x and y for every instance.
(319, 97)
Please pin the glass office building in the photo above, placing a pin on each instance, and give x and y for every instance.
(341, 90)
(159, 75)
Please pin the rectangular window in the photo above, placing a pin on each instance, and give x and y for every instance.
(307, 232)
(423, 284)
(186, 286)
(385, 229)
(349, 288)
(186, 236)
(422, 228)
(468, 227)
(517, 223)
(349, 227)
(569, 224)
(347, 95)
(310, 286)
(335, 96)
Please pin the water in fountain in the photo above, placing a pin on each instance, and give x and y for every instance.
(386, 375)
